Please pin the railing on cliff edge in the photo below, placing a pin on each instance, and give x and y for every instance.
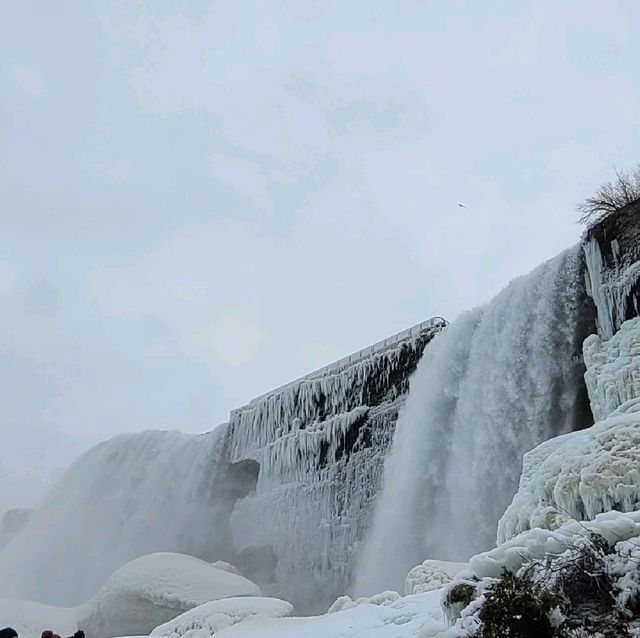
(376, 348)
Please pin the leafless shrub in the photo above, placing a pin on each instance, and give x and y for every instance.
(611, 197)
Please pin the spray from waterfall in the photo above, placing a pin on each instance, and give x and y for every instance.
(494, 384)
(132, 495)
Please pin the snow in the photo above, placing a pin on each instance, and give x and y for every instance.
(585, 473)
(407, 617)
(537, 542)
(212, 617)
(431, 575)
(30, 619)
(146, 592)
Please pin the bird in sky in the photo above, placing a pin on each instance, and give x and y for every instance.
(462, 205)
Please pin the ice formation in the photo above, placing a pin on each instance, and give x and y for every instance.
(135, 599)
(585, 473)
(537, 542)
(213, 617)
(320, 444)
(613, 369)
(130, 496)
(431, 575)
(498, 381)
(611, 287)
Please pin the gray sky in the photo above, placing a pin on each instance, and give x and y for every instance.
(202, 200)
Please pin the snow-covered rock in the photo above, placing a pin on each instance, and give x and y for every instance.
(406, 617)
(212, 617)
(154, 589)
(346, 602)
(585, 473)
(226, 567)
(138, 597)
(431, 575)
(538, 543)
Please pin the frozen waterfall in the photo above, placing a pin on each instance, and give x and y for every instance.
(494, 384)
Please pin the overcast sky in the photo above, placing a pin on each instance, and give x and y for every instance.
(200, 201)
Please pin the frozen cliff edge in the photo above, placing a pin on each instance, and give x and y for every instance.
(582, 474)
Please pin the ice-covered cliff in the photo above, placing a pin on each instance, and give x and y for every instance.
(284, 490)
(320, 443)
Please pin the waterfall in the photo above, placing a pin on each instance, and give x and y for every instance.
(498, 381)
(132, 495)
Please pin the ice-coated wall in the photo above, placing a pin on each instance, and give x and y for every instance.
(320, 443)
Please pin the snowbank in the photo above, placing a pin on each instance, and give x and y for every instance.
(407, 617)
(578, 476)
(207, 619)
(537, 543)
(138, 597)
(29, 619)
(431, 575)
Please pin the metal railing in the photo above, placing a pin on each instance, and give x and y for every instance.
(376, 348)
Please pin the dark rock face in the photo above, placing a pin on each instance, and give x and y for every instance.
(612, 249)
(320, 444)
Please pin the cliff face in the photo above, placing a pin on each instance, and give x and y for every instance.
(319, 443)
(612, 250)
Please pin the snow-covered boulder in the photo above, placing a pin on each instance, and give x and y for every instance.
(431, 575)
(141, 595)
(210, 618)
(537, 543)
(154, 589)
(346, 602)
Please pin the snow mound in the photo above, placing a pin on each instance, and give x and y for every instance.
(406, 617)
(138, 597)
(29, 619)
(154, 589)
(346, 602)
(226, 567)
(538, 543)
(207, 619)
(431, 575)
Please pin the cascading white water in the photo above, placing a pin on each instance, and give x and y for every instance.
(498, 381)
(132, 495)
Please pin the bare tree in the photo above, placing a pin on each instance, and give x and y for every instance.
(611, 197)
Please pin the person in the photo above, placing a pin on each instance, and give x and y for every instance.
(8, 632)
(78, 634)
(47, 633)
